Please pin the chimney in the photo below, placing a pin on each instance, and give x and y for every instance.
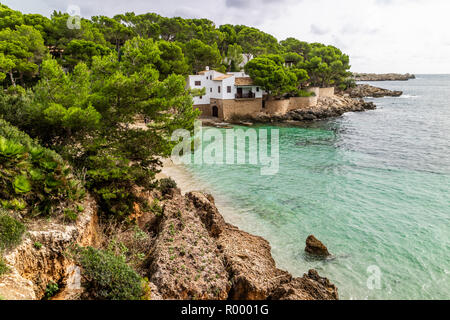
(207, 68)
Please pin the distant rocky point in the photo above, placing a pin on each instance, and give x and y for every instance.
(382, 77)
(365, 90)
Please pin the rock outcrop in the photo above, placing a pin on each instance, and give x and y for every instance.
(185, 262)
(365, 90)
(316, 247)
(195, 254)
(310, 287)
(382, 77)
(327, 107)
(220, 261)
(33, 267)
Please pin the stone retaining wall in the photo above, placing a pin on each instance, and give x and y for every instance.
(277, 106)
(302, 103)
(326, 92)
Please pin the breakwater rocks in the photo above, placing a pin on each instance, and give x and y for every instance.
(382, 77)
(197, 255)
(365, 90)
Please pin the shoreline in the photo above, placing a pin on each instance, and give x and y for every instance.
(247, 257)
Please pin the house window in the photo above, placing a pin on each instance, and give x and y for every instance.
(229, 89)
(198, 83)
(210, 89)
(257, 89)
(201, 97)
(218, 88)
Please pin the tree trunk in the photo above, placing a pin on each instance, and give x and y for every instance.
(12, 78)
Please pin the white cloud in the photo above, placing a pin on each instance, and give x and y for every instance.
(379, 35)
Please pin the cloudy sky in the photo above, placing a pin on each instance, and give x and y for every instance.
(379, 35)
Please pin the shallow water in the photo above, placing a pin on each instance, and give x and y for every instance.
(373, 186)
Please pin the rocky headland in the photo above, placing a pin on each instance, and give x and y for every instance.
(382, 77)
(365, 91)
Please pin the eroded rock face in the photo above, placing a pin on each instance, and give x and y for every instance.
(315, 247)
(251, 267)
(33, 268)
(185, 262)
(310, 287)
(365, 90)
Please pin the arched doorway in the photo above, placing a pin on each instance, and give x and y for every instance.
(215, 111)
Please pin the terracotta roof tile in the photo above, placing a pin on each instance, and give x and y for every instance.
(225, 76)
(244, 81)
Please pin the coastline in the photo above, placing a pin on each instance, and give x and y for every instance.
(248, 258)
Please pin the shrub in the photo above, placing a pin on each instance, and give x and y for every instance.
(166, 184)
(11, 231)
(3, 267)
(112, 179)
(108, 277)
(38, 245)
(51, 290)
(33, 178)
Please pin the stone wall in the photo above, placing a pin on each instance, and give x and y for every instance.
(315, 90)
(302, 103)
(277, 106)
(326, 92)
(206, 109)
(241, 107)
(244, 107)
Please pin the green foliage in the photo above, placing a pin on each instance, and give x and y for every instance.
(292, 45)
(234, 57)
(11, 231)
(201, 55)
(37, 245)
(270, 73)
(166, 184)
(171, 60)
(33, 179)
(22, 49)
(83, 51)
(108, 276)
(3, 267)
(326, 66)
(256, 42)
(51, 289)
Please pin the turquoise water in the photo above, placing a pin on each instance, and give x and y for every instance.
(373, 186)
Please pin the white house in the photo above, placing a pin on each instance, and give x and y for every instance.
(226, 94)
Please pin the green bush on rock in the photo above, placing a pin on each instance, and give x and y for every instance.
(11, 231)
(108, 276)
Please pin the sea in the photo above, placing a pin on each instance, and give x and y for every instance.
(373, 186)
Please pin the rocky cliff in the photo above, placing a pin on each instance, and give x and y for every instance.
(382, 77)
(193, 254)
(40, 259)
(197, 255)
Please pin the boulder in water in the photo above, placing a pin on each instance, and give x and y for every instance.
(315, 247)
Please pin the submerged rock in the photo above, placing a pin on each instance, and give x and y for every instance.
(316, 247)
